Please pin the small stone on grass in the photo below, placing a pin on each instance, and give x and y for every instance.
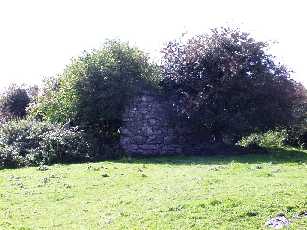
(278, 222)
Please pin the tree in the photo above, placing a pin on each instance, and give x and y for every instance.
(297, 132)
(95, 88)
(225, 83)
(13, 102)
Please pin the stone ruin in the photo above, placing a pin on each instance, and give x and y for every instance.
(148, 129)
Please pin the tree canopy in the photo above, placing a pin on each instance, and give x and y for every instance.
(13, 102)
(225, 82)
(93, 90)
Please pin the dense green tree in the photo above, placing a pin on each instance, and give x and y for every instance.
(13, 102)
(225, 82)
(94, 89)
(298, 128)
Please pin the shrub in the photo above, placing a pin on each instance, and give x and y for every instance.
(13, 102)
(225, 82)
(298, 129)
(95, 88)
(269, 139)
(25, 143)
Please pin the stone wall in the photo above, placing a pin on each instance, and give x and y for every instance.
(149, 130)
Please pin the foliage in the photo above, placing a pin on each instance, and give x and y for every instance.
(44, 102)
(269, 139)
(32, 92)
(298, 129)
(94, 89)
(25, 142)
(225, 83)
(93, 92)
(209, 192)
(13, 102)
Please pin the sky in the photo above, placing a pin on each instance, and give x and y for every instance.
(38, 38)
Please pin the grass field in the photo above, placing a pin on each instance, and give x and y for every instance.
(214, 192)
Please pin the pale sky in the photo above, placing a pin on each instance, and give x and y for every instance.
(39, 37)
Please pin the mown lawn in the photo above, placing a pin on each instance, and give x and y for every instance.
(214, 192)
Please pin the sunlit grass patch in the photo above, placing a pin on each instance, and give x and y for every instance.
(214, 192)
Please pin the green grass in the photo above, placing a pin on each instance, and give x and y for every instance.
(214, 192)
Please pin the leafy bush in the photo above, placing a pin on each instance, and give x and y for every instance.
(13, 102)
(225, 82)
(95, 88)
(25, 143)
(297, 132)
(269, 139)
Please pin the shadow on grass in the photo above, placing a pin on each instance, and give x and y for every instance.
(275, 156)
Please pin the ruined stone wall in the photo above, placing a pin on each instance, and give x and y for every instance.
(148, 129)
